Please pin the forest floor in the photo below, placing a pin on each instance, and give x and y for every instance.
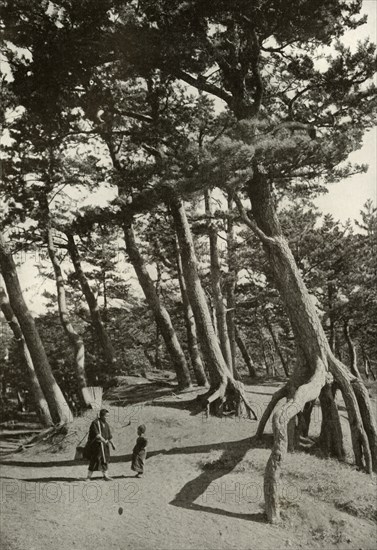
(202, 489)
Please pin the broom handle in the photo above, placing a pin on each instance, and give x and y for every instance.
(100, 433)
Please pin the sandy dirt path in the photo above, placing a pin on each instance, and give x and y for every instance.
(181, 503)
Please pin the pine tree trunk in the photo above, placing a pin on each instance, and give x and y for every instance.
(338, 349)
(209, 343)
(278, 396)
(307, 413)
(157, 349)
(74, 338)
(331, 437)
(192, 341)
(231, 287)
(367, 365)
(351, 349)
(161, 316)
(271, 354)
(40, 402)
(104, 293)
(157, 346)
(59, 409)
(217, 294)
(265, 358)
(315, 361)
(276, 345)
(331, 291)
(225, 391)
(91, 300)
(245, 354)
(262, 341)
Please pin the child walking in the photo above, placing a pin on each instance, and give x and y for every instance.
(139, 453)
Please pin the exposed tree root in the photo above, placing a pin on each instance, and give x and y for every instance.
(362, 422)
(369, 421)
(243, 401)
(304, 393)
(360, 444)
(282, 392)
(47, 435)
(301, 439)
(228, 398)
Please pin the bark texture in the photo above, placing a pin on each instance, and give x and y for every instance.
(231, 284)
(316, 364)
(74, 338)
(192, 340)
(91, 300)
(59, 409)
(304, 393)
(351, 349)
(331, 294)
(217, 294)
(367, 366)
(278, 396)
(276, 342)
(245, 354)
(214, 359)
(225, 391)
(161, 316)
(40, 402)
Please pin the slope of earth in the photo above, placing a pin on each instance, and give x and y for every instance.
(203, 486)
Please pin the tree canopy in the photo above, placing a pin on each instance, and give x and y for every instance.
(182, 114)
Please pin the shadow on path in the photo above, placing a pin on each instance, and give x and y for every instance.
(232, 455)
(64, 463)
(66, 479)
(137, 393)
(227, 446)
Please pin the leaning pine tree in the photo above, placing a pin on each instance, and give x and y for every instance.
(225, 391)
(40, 403)
(298, 157)
(230, 50)
(59, 409)
(284, 113)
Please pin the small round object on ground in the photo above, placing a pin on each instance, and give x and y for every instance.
(120, 510)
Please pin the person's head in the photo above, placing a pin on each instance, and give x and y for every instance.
(141, 429)
(103, 414)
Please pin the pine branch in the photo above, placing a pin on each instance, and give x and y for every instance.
(201, 83)
(252, 225)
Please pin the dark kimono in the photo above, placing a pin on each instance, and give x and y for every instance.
(139, 455)
(97, 452)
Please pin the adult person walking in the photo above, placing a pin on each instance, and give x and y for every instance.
(98, 446)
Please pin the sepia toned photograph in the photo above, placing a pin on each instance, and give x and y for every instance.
(188, 274)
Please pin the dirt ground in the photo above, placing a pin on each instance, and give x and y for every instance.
(203, 486)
